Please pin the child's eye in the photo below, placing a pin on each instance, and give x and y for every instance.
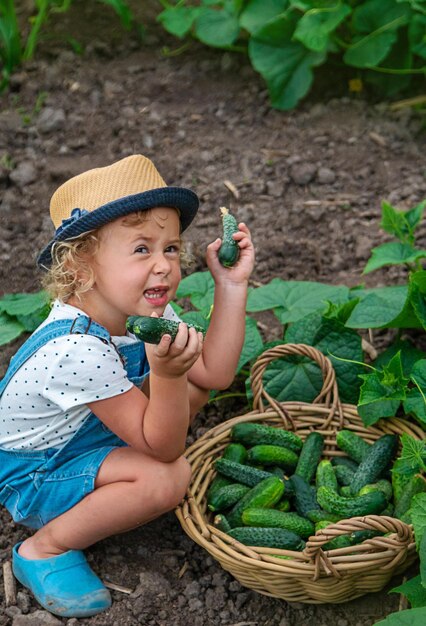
(142, 249)
(173, 249)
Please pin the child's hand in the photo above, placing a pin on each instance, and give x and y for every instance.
(240, 272)
(173, 359)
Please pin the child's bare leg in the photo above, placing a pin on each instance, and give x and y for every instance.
(130, 489)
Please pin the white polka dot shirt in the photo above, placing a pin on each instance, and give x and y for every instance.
(46, 401)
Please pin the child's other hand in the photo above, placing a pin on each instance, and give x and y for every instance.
(173, 359)
(240, 272)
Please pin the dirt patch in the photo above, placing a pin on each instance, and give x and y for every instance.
(309, 184)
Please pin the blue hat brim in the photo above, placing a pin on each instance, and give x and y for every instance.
(185, 200)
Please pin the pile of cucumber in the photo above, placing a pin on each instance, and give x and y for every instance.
(273, 489)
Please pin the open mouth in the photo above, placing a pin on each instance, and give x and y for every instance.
(157, 294)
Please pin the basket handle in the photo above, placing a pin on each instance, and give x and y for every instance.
(329, 393)
(404, 537)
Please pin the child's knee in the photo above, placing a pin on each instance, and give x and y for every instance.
(179, 478)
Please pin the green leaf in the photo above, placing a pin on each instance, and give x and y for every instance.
(23, 303)
(377, 22)
(178, 20)
(293, 300)
(409, 617)
(409, 355)
(413, 590)
(422, 555)
(258, 12)
(33, 320)
(417, 35)
(217, 28)
(393, 253)
(285, 65)
(340, 312)
(199, 288)
(253, 344)
(401, 224)
(10, 329)
(195, 317)
(315, 26)
(415, 403)
(336, 342)
(292, 378)
(412, 458)
(417, 295)
(418, 516)
(378, 400)
(380, 308)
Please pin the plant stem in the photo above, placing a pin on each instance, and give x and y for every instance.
(228, 395)
(40, 18)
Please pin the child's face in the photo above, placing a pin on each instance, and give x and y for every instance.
(137, 267)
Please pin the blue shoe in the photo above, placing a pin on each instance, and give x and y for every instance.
(64, 584)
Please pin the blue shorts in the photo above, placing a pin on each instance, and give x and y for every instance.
(35, 492)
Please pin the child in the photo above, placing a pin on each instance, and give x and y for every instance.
(93, 422)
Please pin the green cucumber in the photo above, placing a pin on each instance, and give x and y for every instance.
(152, 329)
(375, 462)
(233, 452)
(265, 494)
(381, 485)
(326, 476)
(227, 496)
(351, 443)
(268, 537)
(358, 536)
(283, 505)
(344, 474)
(272, 518)
(344, 461)
(240, 473)
(229, 250)
(310, 456)
(368, 504)
(304, 496)
(416, 484)
(221, 523)
(273, 455)
(252, 434)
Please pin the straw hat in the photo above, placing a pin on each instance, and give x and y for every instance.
(101, 195)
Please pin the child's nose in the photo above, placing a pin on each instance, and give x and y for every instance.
(162, 265)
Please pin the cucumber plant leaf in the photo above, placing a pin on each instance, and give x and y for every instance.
(178, 20)
(376, 22)
(382, 308)
(217, 28)
(258, 12)
(314, 27)
(293, 300)
(342, 345)
(401, 224)
(413, 590)
(409, 617)
(393, 253)
(253, 344)
(409, 355)
(199, 288)
(23, 303)
(286, 65)
(382, 392)
(412, 459)
(10, 329)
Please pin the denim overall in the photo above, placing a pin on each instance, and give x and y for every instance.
(38, 485)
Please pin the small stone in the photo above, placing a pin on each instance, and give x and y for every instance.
(303, 173)
(51, 120)
(325, 176)
(38, 618)
(24, 174)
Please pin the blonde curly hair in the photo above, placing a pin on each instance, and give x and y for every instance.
(64, 278)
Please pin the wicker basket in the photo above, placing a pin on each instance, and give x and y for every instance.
(313, 576)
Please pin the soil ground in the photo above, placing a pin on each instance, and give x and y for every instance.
(308, 182)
